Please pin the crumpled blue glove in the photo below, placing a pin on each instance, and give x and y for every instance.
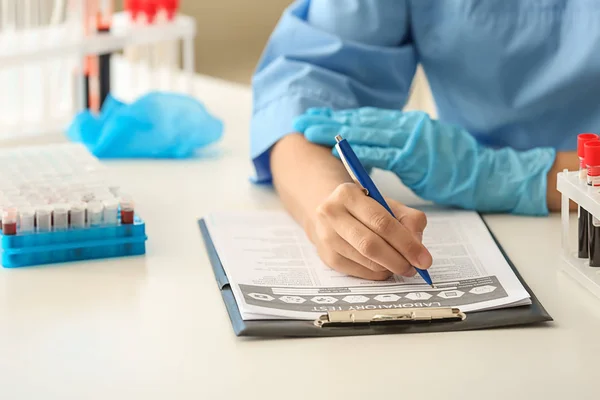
(439, 162)
(157, 125)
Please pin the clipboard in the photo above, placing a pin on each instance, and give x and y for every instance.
(371, 322)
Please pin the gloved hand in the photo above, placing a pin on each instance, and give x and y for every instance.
(439, 162)
(157, 125)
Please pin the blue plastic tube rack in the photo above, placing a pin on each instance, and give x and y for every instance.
(104, 241)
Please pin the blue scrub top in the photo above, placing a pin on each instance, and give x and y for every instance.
(518, 73)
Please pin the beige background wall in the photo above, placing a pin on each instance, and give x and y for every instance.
(224, 51)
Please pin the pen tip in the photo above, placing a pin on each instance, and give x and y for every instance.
(433, 286)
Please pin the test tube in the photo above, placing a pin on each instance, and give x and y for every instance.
(582, 214)
(78, 214)
(95, 212)
(26, 219)
(127, 210)
(43, 218)
(9, 221)
(111, 207)
(592, 163)
(60, 216)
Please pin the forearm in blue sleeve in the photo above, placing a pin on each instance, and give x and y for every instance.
(334, 54)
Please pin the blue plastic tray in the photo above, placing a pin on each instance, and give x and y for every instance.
(88, 243)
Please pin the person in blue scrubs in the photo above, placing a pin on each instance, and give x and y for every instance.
(514, 82)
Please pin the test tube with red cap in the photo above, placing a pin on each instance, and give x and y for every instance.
(149, 9)
(165, 52)
(142, 13)
(592, 163)
(582, 214)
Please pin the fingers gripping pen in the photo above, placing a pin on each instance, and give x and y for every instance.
(362, 178)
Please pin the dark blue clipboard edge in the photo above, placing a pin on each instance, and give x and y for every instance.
(533, 314)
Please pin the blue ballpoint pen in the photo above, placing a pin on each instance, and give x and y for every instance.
(361, 178)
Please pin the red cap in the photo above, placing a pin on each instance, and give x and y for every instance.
(172, 6)
(149, 8)
(592, 153)
(132, 7)
(582, 138)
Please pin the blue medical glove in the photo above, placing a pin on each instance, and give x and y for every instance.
(439, 162)
(157, 125)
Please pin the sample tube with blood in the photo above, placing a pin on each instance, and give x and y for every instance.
(127, 210)
(582, 214)
(9, 221)
(592, 162)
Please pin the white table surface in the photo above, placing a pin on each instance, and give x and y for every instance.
(155, 327)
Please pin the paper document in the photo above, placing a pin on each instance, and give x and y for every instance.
(275, 271)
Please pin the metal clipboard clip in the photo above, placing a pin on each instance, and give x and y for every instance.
(336, 318)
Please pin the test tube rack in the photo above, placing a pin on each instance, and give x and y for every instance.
(22, 250)
(44, 177)
(41, 68)
(572, 188)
